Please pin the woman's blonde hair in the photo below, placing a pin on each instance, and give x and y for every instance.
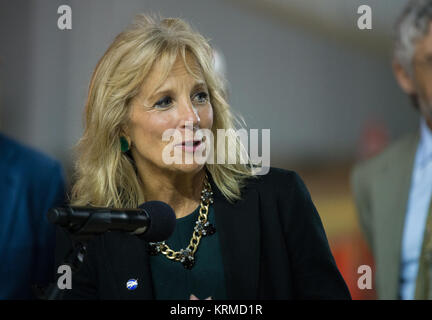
(104, 175)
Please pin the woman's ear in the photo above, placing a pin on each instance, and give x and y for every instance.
(403, 78)
(124, 131)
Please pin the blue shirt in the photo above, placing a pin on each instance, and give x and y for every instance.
(416, 214)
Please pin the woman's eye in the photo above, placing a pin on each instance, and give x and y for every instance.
(163, 103)
(201, 97)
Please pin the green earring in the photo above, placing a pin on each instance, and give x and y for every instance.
(124, 144)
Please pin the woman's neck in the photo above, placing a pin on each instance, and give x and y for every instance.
(182, 191)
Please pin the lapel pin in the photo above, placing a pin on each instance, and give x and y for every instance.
(132, 284)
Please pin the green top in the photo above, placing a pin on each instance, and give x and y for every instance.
(206, 278)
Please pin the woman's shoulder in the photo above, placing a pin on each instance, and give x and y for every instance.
(280, 183)
(282, 178)
(281, 192)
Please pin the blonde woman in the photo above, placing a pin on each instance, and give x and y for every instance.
(262, 237)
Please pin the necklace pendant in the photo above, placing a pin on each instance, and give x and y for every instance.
(204, 229)
(209, 229)
(154, 248)
(207, 196)
(187, 258)
(188, 262)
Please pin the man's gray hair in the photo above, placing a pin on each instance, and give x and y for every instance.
(412, 25)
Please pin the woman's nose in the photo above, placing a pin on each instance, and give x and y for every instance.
(189, 116)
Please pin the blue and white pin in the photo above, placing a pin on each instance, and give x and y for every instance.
(132, 284)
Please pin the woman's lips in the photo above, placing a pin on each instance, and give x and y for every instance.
(190, 146)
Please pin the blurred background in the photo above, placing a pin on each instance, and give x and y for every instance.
(301, 68)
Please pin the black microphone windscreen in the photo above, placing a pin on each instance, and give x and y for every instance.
(162, 221)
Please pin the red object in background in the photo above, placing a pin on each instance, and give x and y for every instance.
(374, 138)
(350, 252)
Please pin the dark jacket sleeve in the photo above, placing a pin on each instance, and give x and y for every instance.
(315, 273)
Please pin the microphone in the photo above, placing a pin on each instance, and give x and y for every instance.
(153, 221)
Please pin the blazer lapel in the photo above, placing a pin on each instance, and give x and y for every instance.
(238, 229)
(128, 260)
(393, 187)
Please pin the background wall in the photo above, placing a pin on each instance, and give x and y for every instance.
(313, 82)
(301, 68)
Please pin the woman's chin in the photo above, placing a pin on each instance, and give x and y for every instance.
(187, 168)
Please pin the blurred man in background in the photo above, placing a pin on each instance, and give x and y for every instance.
(393, 190)
(30, 184)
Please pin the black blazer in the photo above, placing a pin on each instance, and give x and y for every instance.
(273, 247)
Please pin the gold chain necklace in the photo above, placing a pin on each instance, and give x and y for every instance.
(202, 228)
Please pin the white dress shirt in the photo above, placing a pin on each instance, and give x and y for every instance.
(416, 214)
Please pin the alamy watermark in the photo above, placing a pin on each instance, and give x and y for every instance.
(64, 22)
(232, 147)
(64, 281)
(364, 22)
(365, 280)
